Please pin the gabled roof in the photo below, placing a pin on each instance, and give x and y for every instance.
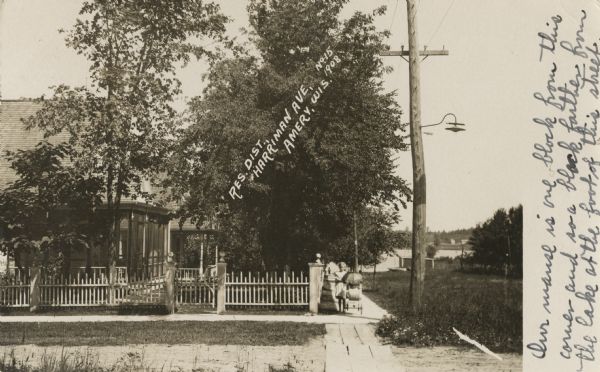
(14, 136)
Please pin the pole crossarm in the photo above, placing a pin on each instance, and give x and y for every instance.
(424, 52)
(404, 53)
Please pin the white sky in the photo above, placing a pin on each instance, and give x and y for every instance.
(492, 44)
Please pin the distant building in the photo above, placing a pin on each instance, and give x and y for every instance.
(449, 250)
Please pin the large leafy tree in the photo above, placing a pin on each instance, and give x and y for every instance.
(50, 207)
(305, 199)
(122, 126)
(498, 242)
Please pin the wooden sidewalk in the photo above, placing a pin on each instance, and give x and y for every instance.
(355, 348)
(351, 346)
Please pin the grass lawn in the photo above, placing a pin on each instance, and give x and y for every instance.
(160, 332)
(485, 308)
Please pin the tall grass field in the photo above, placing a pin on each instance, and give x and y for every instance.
(486, 308)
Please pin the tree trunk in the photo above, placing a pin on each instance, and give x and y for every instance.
(88, 256)
(116, 222)
(110, 233)
(355, 244)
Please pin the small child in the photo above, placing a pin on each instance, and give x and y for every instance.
(340, 286)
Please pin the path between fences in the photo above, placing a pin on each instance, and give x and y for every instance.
(352, 346)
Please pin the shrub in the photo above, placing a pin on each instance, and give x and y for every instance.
(431, 251)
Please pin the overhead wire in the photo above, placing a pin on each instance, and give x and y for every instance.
(393, 16)
(441, 22)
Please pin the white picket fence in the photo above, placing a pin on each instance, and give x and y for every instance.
(80, 288)
(74, 290)
(194, 287)
(266, 289)
(14, 289)
(141, 291)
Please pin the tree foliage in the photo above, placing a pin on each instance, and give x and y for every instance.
(49, 207)
(121, 127)
(375, 239)
(498, 242)
(304, 200)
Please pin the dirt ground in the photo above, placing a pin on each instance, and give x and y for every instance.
(238, 358)
(454, 359)
(205, 358)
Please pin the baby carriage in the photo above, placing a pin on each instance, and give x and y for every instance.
(354, 292)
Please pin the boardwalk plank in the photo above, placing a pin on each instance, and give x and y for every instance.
(366, 333)
(337, 359)
(349, 335)
(361, 359)
(333, 335)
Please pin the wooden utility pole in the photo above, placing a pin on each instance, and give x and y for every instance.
(419, 236)
(419, 224)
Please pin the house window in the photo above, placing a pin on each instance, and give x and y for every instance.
(123, 244)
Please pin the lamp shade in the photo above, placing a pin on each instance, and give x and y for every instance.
(455, 127)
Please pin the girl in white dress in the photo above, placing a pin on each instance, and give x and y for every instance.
(340, 286)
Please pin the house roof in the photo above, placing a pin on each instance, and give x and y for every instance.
(14, 136)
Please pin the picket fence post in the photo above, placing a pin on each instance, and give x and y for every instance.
(315, 272)
(221, 275)
(112, 278)
(170, 284)
(34, 288)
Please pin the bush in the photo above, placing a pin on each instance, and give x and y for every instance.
(431, 251)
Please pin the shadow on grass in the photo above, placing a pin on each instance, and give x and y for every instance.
(97, 310)
(160, 332)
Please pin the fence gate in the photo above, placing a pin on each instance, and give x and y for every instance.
(144, 291)
(193, 287)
